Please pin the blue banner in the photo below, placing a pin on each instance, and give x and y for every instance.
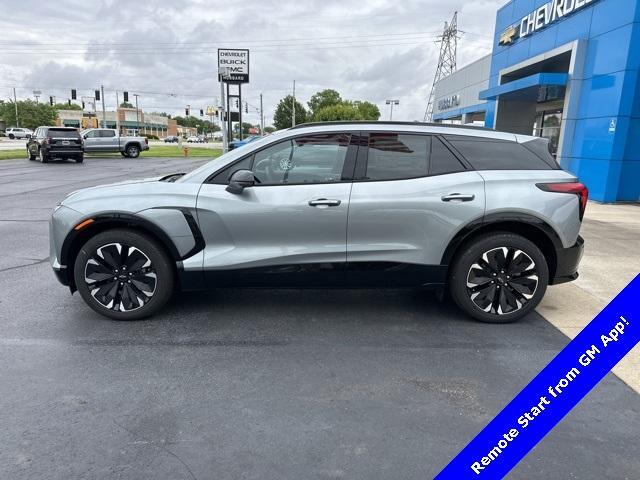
(553, 392)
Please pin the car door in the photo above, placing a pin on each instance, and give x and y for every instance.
(107, 141)
(92, 141)
(410, 196)
(288, 229)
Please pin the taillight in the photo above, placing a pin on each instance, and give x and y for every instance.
(576, 188)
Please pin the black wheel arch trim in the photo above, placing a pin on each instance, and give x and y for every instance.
(496, 219)
(114, 219)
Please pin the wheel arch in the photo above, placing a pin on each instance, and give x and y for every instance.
(532, 228)
(109, 221)
(134, 143)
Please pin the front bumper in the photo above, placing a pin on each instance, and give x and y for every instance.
(567, 261)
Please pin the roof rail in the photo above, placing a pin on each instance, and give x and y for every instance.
(387, 122)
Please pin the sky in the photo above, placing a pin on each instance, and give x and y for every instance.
(165, 51)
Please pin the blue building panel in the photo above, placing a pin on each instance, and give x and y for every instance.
(601, 140)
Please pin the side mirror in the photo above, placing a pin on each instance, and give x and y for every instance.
(240, 180)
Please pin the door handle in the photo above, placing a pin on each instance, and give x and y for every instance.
(458, 197)
(324, 202)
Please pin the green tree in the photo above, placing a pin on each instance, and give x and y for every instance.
(30, 114)
(269, 129)
(367, 111)
(343, 111)
(126, 105)
(66, 106)
(283, 113)
(324, 98)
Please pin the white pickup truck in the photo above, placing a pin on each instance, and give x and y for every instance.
(97, 140)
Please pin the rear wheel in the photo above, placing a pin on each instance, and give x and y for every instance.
(30, 155)
(123, 275)
(11, 136)
(132, 151)
(43, 157)
(499, 277)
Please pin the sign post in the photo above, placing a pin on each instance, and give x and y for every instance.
(233, 68)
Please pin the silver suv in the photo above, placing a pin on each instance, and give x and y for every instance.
(487, 215)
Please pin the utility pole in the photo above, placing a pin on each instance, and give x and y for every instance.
(446, 62)
(137, 115)
(117, 113)
(392, 103)
(261, 118)
(223, 120)
(293, 109)
(104, 112)
(15, 103)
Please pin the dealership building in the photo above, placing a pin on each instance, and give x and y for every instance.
(567, 70)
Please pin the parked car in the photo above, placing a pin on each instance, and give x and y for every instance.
(15, 132)
(171, 139)
(49, 143)
(488, 215)
(193, 139)
(107, 140)
(243, 142)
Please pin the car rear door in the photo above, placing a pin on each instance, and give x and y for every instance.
(288, 229)
(410, 196)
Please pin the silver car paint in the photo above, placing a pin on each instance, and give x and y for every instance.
(407, 221)
(275, 225)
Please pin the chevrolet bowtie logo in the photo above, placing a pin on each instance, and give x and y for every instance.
(508, 35)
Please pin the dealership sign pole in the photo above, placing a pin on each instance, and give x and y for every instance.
(233, 68)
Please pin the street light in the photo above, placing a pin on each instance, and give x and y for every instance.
(392, 103)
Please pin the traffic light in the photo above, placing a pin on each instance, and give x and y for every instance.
(98, 95)
(51, 101)
(69, 102)
(186, 112)
(82, 105)
(201, 112)
(237, 104)
(125, 95)
(217, 113)
(73, 94)
(246, 107)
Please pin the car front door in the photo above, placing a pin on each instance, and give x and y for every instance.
(410, 196)
(92, 141)
(290, 227)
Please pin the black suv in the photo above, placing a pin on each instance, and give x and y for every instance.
(48, 143)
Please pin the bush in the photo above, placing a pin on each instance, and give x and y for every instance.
(150, 136)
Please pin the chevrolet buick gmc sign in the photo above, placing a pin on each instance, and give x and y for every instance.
(233, 65)
(547, 14)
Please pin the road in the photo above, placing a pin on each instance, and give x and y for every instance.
(260, 384)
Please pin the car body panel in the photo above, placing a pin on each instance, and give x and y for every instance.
(95, 142)
(407, 221)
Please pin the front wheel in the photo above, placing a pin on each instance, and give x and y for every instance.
(79, 159)
(11, 136)
(499, 277)
(123, 274)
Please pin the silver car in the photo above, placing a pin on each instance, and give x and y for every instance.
(488, 216)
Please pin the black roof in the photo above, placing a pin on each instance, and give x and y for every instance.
(386, 122)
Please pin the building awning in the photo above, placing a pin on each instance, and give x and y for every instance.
(524, 85)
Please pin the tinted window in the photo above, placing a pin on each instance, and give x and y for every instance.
(393, 156)
(92, 134)
(107, 133)
(442, 160)
(223, 177)
(491, 154)
(540, 146)
(308, 159)
(62, 133)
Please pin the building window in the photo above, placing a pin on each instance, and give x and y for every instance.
(547, 125)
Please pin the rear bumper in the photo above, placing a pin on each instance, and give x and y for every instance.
(63, 151)
(567, 263)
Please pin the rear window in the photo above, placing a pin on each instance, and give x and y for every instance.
(63, 133)
(494, 154)
(540, 146)
(442, 160)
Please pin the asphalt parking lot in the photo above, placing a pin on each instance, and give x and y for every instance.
(260, 384)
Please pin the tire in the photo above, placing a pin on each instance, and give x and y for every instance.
(123, 296)
(43, 158)
(132, 151)
(30, 155)
(12, 136)
(79, 159)
(486, 279)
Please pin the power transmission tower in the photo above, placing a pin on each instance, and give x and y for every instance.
(447, 60)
